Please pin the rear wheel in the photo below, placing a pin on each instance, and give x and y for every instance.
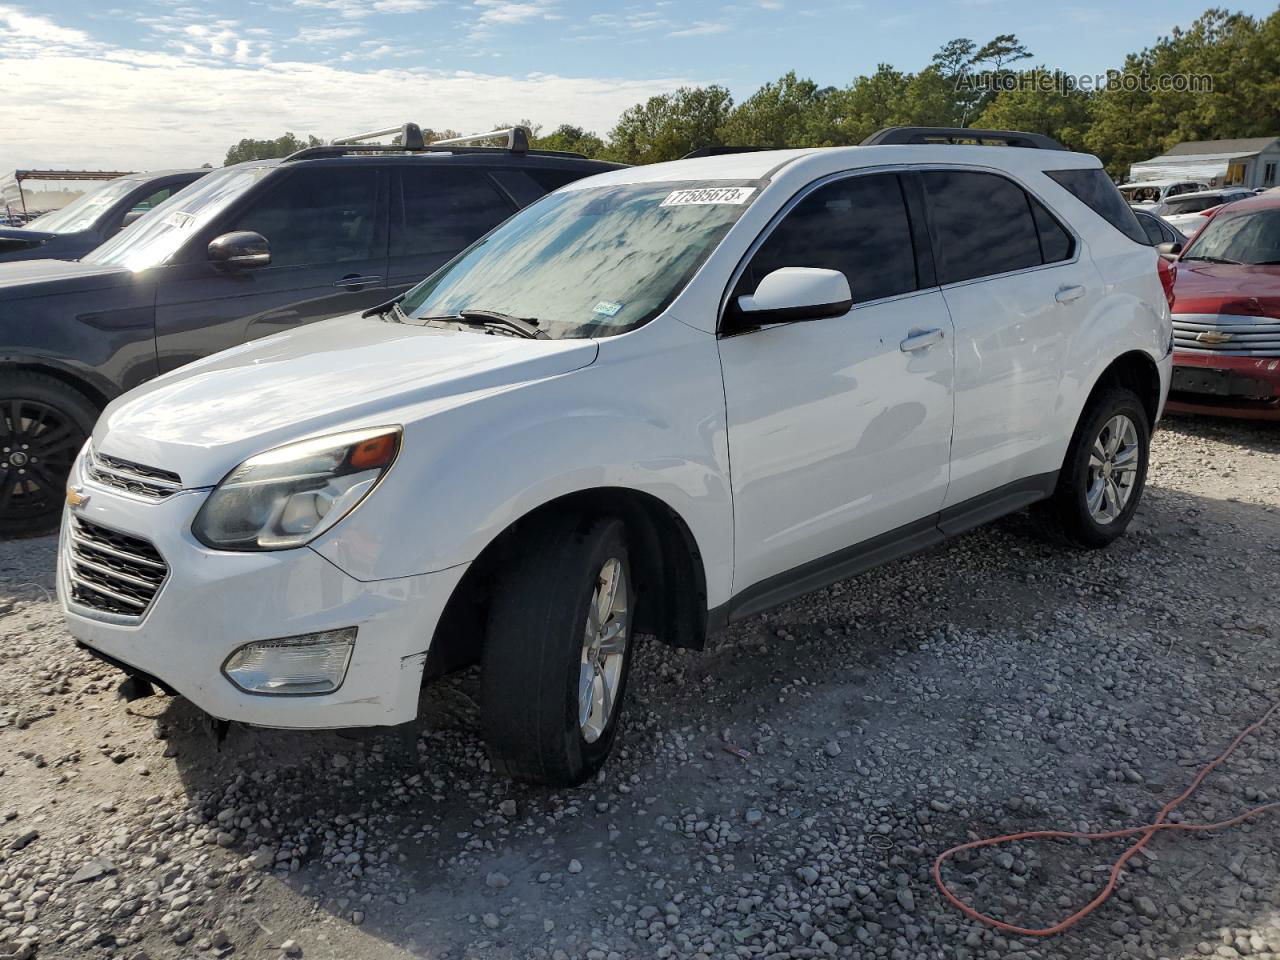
(1104, 473)
(43, 424)
(558, 650)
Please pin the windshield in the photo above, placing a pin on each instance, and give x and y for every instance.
(1249, 236)
(590, 262)
(82, 212)
(1141, 194)
(158, 234)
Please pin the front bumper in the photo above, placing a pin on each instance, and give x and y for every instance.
(1226, 385)
(213, 602)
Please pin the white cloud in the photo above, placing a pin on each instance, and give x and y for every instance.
(146, 109)
(326, 35)
(702, 28)
(494, 12)
(355, 9)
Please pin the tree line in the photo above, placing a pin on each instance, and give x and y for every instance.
(1134, 117)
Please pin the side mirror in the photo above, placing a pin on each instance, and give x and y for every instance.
(797, 293)
(241, 250)
(1169, 250)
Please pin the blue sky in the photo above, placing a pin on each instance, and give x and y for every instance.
(174, 82)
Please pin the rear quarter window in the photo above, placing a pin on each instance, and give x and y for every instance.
(1095, 190)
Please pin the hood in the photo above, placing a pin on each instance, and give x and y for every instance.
(1231, 288)
(205, 418)
(37, 278)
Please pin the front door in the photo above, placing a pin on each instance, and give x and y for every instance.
(327, 228)
(839, 428)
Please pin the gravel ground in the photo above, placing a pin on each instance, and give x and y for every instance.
(781, 794)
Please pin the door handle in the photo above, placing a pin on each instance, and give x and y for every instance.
(1067, 294)
(920, 340)
(354, 281)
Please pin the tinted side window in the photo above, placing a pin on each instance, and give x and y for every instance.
(1152, 229)
(1095, 190)
(857, 225)
(323, 215)
(446, 209)
(982, 225)
(1055, 243)
(554, 179)
(154, 200)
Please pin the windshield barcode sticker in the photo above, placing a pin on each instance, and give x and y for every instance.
(708, 195)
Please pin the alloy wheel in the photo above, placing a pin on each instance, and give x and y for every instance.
(38, 443)
(1113, 469)
(604, 648)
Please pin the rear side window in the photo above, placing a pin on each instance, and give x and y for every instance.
(857, 225)
(1152, 229)
(445, 209)
(553, 179)
(983, 225)
(1095, 190)
(1055, 243)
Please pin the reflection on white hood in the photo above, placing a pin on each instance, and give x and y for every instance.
(205, 418)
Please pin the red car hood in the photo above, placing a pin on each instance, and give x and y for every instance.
(1236, 289)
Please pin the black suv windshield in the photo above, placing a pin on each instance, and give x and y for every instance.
(82, 212)
(591, 262)
(159, 233)
(1247, 236)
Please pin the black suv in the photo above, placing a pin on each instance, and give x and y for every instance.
(91, 219)
(246, 251)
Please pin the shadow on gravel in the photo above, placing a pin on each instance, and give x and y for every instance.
(991, 684)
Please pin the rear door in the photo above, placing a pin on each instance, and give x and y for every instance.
(1018, 285)
(437, 211)
(327, 227)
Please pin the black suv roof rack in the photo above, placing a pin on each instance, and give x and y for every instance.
(411, 141)
(962, 136)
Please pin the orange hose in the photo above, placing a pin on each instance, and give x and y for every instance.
(1148, 831)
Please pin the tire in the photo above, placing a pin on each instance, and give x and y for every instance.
(45, 423)
(535, 655)
(1075, 514)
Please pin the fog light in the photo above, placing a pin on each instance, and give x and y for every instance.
(311, 663)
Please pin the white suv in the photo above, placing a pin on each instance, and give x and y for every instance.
(659, 400)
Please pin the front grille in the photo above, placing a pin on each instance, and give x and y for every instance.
(1220, 334)
(152, 483)
(112, 572)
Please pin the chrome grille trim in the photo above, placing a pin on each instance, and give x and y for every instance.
(1249, 336)
(150, 483)
(112, 573)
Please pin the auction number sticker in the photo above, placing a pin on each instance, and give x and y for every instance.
(701, 196)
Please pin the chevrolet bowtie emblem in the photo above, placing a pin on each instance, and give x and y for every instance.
(75, 498)
(1213, 336)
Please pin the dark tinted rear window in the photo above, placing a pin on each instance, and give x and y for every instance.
(1095, 190)
(982, 224)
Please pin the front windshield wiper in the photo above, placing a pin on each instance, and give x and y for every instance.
(522, 326)
(1212, 259)
(391, 306)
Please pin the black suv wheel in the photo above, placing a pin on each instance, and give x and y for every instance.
(43, 424)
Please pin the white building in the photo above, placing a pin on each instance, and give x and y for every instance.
(1248, 162)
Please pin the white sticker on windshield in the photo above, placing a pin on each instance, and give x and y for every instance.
(708, 195)
(179, 219)
(606, 308)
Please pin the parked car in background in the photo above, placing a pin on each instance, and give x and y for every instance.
(1226, 314)
(1156, 229)
(93, 218)
(246, 251)
(1153, 193)
(1186, 213)
(656, 401)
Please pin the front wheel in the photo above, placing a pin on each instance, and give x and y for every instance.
(1104, 473)
(43, 424)
(558, 650)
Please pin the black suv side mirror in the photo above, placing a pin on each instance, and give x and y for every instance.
(1169, 250)
(240, 250)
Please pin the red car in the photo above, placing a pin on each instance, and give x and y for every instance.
(1226, 314)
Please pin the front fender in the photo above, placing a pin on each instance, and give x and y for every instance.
(647, 416)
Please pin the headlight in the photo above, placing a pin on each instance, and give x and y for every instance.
(288, 496)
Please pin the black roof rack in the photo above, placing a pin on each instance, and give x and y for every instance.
(962, 136)
(412, 141)
(720, 151)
